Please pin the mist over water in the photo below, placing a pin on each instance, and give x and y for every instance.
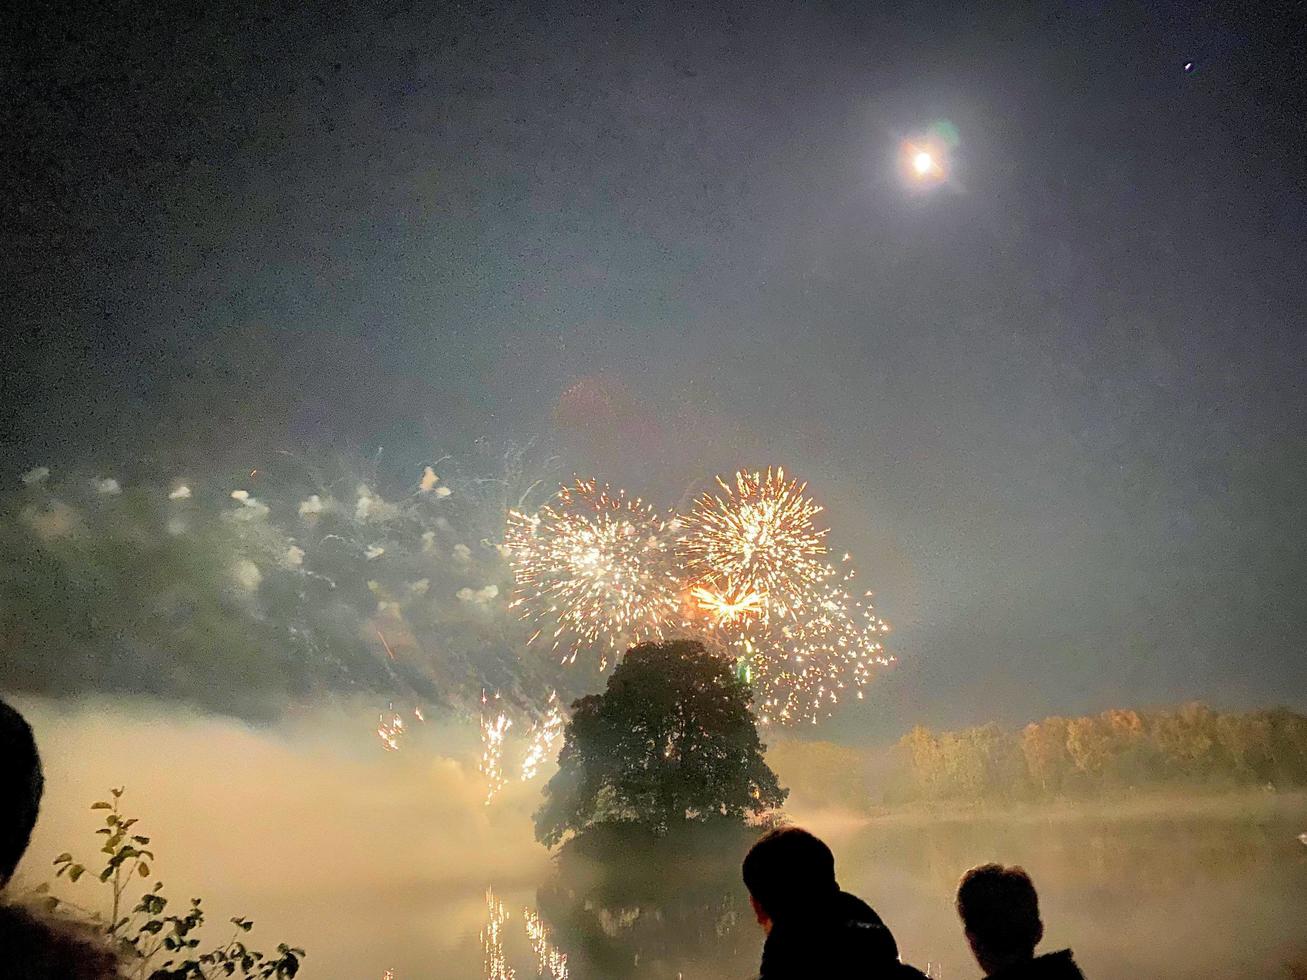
(377, 861)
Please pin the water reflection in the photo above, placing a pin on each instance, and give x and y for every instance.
(627, 905)
(551, 962)
(1165, 889)
(492, 940)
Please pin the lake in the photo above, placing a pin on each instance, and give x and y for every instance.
(383, 861)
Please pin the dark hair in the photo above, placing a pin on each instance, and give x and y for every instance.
(787, 870)
(21, 783)
(1000, 908)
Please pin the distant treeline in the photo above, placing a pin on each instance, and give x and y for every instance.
(1191, 746)
(1110, 754)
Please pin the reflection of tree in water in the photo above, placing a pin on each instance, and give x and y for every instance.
(624, 903)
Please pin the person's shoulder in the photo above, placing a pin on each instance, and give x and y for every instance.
(45, 947)
(853, 909)
(1060, 965)
(906, 971)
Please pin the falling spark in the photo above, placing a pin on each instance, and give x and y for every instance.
(492, 940)
(828, 644)
(551, 962)
(386, 646)
(494, 728)
(390, 729)
(595, 568)
(543, 738)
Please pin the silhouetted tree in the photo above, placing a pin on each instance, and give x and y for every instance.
(670, 740)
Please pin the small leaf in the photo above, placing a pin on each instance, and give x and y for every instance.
(144, 869)
(75, 872)
(140, 840)
(63, 858)
(101, 805)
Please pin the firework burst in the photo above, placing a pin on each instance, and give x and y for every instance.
(753, 552)
(595, 569)
(802, 665)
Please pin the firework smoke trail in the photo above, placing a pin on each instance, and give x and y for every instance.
(551, 962)
(494, 728)
(595, 569)
(492, 940)
(543, 737)
(753, 552)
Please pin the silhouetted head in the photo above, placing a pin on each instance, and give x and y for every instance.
(1000, 912)
(789, 871)
(20, 789)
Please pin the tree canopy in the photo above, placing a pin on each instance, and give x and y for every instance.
(670, 740)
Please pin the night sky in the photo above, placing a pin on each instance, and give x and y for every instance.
(1054, 404)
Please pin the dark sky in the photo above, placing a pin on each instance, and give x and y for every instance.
(1055, 405)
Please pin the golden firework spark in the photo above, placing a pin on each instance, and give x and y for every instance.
(727, 609)
(494, 729)
(594, 569)
(757, 541)
(801, 666)
(390, 729)
(543, 737)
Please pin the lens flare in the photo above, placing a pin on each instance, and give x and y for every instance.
(594, 569)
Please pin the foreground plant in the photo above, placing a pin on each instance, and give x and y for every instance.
(156, 945)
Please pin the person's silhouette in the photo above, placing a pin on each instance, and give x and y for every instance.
(34, 946)
(813, 928)
(999, 908)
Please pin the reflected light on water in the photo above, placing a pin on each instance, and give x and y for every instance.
(551, 962)
(492, 940)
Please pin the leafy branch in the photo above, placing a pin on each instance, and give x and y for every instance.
(149, 934)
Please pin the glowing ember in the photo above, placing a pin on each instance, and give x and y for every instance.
(390, 729)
